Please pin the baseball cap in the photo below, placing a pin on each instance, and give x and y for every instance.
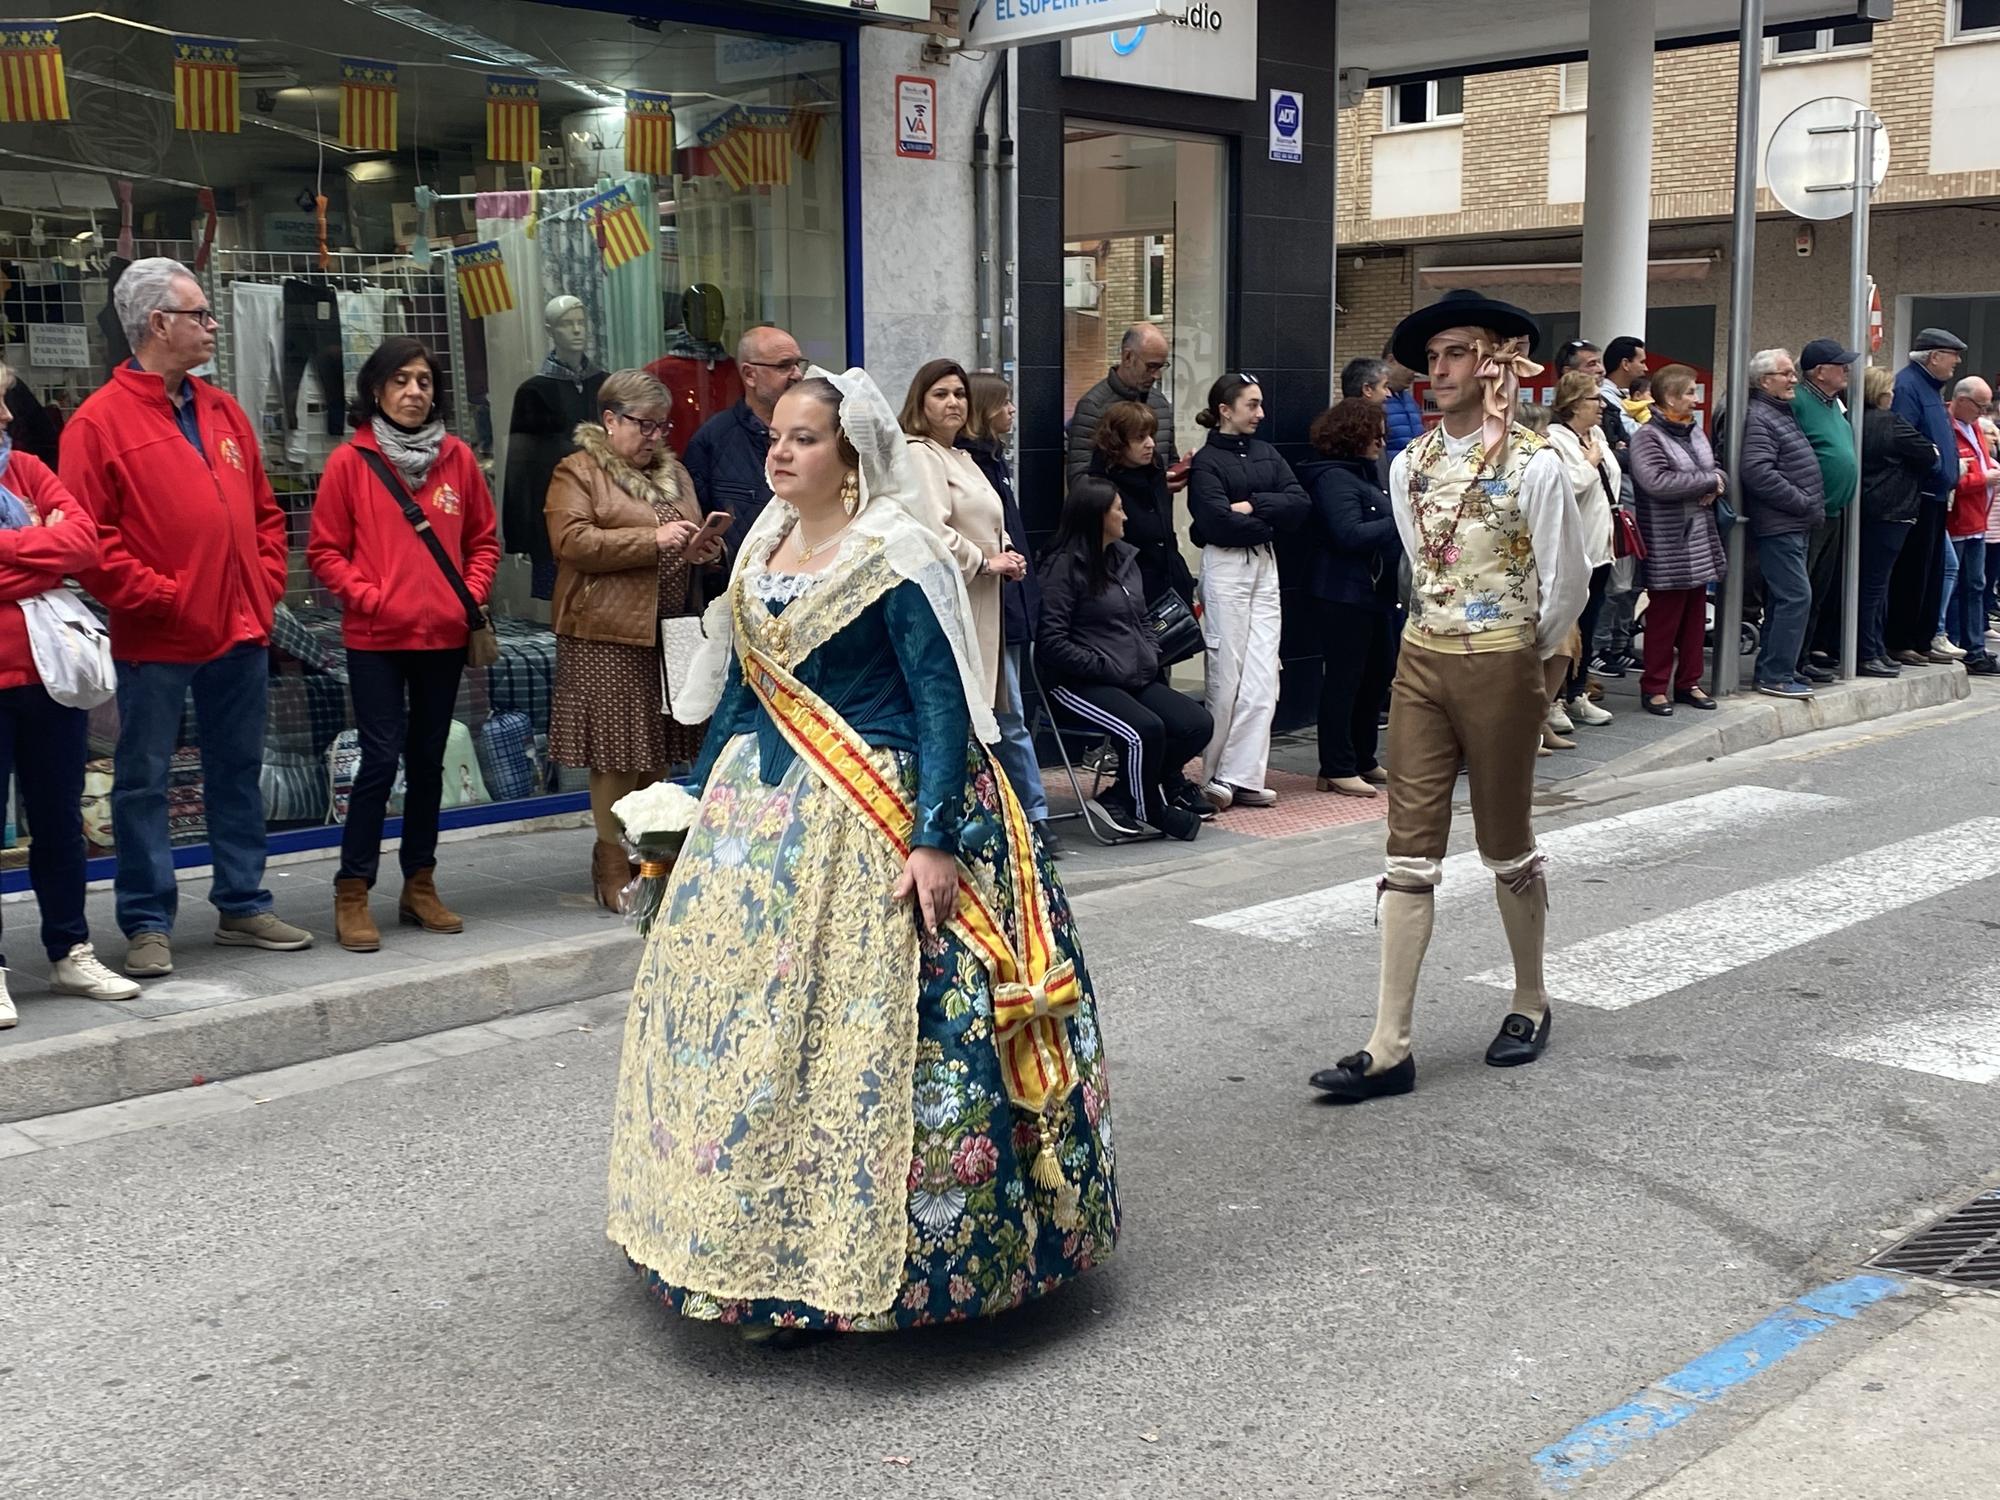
(1826, 352)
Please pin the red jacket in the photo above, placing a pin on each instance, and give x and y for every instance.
(34, 559)
(393, 594)
(1973, 499)
(193, 543)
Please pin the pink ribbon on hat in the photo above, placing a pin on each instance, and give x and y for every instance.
(1500, 372)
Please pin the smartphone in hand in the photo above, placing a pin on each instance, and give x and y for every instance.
(714, 525)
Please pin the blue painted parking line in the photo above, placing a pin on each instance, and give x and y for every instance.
(1606, 1438)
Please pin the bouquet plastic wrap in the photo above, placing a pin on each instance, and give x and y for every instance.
(656, 820)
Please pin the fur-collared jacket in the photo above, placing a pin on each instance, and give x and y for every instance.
(604, 518)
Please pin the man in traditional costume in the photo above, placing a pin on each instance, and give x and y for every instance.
(1499, 576)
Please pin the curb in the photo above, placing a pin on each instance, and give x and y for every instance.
(129, 1058)
(1750, 721)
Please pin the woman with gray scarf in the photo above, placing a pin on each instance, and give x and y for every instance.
(403, 619)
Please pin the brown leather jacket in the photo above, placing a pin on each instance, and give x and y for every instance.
(602, 530)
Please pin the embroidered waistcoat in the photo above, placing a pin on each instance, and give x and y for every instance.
(1473, 581)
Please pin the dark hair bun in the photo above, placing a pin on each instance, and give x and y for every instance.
(1204, 419)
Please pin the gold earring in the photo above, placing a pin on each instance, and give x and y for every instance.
(850, 493)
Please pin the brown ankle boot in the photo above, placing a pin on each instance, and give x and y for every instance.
(610, 873)
(420, 907)
(353, 927)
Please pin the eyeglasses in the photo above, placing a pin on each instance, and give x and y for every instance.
(202, 315)
(647, 429)
(800, 365)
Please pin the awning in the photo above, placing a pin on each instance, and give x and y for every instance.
(1559, 272)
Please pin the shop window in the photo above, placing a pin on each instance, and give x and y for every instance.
(1157, 306)
(679, 184)
(1798, 44)
(1975, 18)
(1435, 101)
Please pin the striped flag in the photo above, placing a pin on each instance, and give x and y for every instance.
(513, 118)
(206, 85)
(649, 133)
(614, 219)
(805, 131)
(31, 74)
(758, 151)
(367, 105)
(483, 286)
(708, 140)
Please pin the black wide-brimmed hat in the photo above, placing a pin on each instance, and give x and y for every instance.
(1459, 309)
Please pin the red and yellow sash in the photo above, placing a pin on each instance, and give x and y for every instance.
(1034, 992)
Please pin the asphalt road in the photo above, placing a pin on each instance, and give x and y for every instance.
(399, 1285)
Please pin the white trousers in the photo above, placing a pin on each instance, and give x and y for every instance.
(1240, 625)
(256, 332)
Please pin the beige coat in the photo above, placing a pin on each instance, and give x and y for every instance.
(965, 512)
(603, 529)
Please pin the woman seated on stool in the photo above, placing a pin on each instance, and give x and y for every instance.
(1099, 652)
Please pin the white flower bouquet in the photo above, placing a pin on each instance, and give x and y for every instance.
(656, 820)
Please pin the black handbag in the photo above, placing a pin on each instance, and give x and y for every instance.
(1175, 629)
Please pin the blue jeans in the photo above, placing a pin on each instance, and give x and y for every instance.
(1787, 606)
(229, 698)
(1948, 595)
(1965, 615)
(1881, 543)
(1016, 750)
(43, 744)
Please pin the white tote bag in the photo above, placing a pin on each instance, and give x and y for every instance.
(680, 638)
(72, 651)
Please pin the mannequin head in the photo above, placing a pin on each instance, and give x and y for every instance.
(568, 323)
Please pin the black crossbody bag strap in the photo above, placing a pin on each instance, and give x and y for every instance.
(475, 617)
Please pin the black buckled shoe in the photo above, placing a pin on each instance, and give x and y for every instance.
(1349, 1082)
(1520, 1040)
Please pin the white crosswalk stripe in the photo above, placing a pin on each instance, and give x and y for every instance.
(1959, 1037)
(1636, 840)
(1711, 938)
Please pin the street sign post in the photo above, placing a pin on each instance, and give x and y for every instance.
(1825, 160)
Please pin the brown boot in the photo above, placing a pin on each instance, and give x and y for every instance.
(353, 927)
(610, 873)
(420, 907)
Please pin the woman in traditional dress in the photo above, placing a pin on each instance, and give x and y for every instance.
(863, 1085)
(625, 528)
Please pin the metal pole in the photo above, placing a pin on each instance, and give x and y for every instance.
(1857, 391)
(982, 231)
(1724, 674)
(1333, 194)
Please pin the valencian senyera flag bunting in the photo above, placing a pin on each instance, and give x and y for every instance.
(31, 72)
(649, 133)
(757, 150)
(367, 105)
(207, 85)
(614, 221)
(483, 286)
(513, 118)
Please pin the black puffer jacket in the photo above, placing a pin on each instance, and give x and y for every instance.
(1149, 525)
(1781, 479)
(1231, 467)
(1020, 603)
(1897, 461)
(1356, 548)
(1099, 638)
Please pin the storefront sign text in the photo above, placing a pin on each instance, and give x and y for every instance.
(1208, 47)
(1012, 23)
(59, 346)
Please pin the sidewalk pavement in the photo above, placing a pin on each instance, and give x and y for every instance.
(1911, 1414)
(535, 938)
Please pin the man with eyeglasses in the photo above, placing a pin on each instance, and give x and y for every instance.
(1142, 356)
(726, 457)
(193, 564)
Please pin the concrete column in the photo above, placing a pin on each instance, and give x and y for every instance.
(1618, 169)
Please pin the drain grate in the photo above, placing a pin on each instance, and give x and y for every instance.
(1962, 1247)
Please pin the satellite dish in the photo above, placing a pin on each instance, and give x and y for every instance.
(1810, 160)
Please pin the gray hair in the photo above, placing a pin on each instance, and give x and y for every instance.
(147, 287)
(1765, 362)
(753, 338)
(1136, 335)
(1964, 386)
(1361, 373)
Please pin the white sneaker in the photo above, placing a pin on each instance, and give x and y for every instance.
(80, 973)
(1217, 796)
(8, 1015)
(1942, 646)
(1583, 711)
(1261, 796)
(1560, 721)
